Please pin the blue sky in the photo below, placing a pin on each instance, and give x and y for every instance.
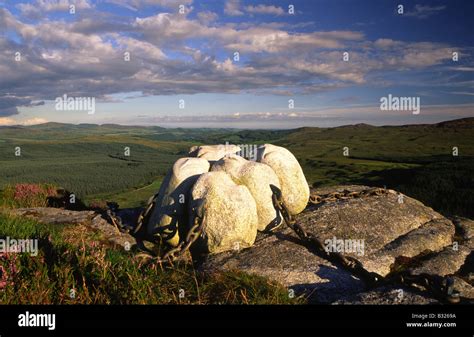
(189, 56)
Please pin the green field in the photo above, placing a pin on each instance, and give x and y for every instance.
(89, 160)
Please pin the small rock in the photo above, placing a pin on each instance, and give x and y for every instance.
(51, 215)
(466, 227)
(465, 289)
(112, 233)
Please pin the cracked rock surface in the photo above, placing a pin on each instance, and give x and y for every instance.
(389, 229)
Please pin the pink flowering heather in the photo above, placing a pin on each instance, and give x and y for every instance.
(8, 269)
(28, 195)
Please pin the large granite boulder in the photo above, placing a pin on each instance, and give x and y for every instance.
(388, 227)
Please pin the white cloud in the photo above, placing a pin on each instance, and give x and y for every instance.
(140, 48)
(207, 17)
(38, 7)
(469, 69)
(137, 4)
(273, 40)
(6, 121)
(232, 8)
(33, 121)
(263, 9)
(83, 58)
(423, 12)
(464, 93)
(386, 43)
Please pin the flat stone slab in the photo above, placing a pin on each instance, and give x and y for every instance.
(112, 233)
(51, 215)
(91, 219)
(378, 220)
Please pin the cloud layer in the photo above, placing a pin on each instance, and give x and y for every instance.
(86, 54)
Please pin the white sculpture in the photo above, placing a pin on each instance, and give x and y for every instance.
(234, 199)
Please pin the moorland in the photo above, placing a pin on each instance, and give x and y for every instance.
(432, 163)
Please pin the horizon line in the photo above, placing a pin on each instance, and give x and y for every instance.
(233, 128)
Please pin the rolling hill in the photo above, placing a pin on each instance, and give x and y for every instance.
(89, 159)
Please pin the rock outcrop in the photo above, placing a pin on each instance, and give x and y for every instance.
(388, 230)
(89, 219)
(395, 232)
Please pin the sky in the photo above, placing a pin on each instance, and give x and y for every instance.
(173, 63)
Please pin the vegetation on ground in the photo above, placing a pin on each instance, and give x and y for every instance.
(75, 265)
(27, 195)
(91, 162)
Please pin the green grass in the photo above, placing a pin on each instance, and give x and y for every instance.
(131, 198)
(72, 257)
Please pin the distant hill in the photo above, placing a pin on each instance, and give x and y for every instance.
(458, 123)
(467, 122)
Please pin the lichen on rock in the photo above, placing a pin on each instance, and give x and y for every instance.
(229, 212)
(257, 177)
